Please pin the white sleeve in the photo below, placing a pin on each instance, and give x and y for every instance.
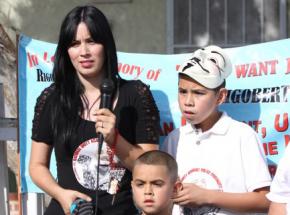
(170, 143)
(254, 161)
(164, 146)
(280, 187)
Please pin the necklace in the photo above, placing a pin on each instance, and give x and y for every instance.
(89, 108)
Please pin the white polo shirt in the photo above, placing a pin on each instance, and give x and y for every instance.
(280, 187)
(229, 157)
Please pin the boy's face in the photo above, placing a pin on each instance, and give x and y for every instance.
(152, 189)
(198, 104)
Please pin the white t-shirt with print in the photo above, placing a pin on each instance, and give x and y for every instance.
(228, 157)
(280, 187)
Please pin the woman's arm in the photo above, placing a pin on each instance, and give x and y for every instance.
(39, 168)
(125, 151)
(146, 124)
(41, 176)
(128, 153)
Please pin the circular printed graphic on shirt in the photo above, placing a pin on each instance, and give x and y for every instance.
(205, 179)
(85, 165)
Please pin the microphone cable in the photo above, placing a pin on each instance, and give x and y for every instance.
(80, 206)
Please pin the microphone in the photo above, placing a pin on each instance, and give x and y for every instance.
(107, 90)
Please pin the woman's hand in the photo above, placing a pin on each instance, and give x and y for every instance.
(106, 124)
(67, 197)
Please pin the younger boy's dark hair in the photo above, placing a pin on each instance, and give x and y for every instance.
(157, 157)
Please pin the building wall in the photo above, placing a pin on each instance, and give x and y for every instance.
(138, 25)
(288, 17)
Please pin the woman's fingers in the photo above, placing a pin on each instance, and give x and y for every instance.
(83, 196)
(105, 124)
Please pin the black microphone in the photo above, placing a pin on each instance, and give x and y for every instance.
(107, 90)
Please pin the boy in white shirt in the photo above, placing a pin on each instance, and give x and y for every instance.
(280, 188)
(220, 160)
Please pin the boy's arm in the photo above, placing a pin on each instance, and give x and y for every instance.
(192, 196)
(277, 208)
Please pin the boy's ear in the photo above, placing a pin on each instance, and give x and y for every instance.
(177, 186)
(223, 92)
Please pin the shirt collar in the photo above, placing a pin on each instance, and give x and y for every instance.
(220, 127)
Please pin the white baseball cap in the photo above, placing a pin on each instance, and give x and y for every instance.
(209, 66)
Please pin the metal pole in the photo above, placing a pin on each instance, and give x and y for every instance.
(8, 129)
(33, 203)
(4, 185)
(169, 26)
(283, 19)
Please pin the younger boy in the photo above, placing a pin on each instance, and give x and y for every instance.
(220, 160)
(154, 182)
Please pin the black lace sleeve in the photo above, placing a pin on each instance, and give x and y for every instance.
(147, 126)
(41, 124)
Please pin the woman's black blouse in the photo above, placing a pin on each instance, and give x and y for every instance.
(137, 121)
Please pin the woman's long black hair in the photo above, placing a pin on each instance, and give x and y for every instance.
(67, 105)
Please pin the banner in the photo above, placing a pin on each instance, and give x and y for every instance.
(258, 91)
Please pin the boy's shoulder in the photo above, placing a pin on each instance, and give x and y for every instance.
(175, 133)
(174, 137)
(239, 124)
(170, 143)
(234, 125)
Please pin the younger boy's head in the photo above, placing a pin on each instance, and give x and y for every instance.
(155, 179)
(201, 85)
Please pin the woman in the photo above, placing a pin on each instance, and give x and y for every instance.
(67, 118)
